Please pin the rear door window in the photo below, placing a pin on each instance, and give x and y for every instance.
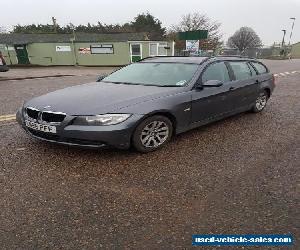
(253, 72)
(261, 69)
(241, 70)
(216, 71)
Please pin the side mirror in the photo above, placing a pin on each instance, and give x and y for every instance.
(101, 77)
(212, 83)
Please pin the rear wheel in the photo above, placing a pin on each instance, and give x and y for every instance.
(152, 133)
(260, 102)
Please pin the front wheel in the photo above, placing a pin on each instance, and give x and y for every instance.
(260, 102)
(152, 133)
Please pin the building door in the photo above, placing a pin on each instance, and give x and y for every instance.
(22, 54)
(135, 52)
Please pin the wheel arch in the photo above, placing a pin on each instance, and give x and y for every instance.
(165, 113)
(268, 90)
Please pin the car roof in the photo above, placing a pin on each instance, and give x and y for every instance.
(193, 59)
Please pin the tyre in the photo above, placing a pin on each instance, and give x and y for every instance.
(152, 133)
(260, 102)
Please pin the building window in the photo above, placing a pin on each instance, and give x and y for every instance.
(102, 49)
(158, 49)
(153, 49)
(162, 51)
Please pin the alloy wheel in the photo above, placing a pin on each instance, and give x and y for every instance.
(261, 102)
(154, 134)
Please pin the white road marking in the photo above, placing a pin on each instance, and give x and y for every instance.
(5, 118)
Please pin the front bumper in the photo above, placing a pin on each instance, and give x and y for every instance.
(118, 135)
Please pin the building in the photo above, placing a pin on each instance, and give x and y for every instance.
(81, 48)
(295, 52)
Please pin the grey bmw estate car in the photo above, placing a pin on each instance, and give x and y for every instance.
(145, 103)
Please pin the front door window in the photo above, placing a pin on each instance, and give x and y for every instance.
(216, 71)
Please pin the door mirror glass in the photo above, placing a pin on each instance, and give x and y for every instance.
(101, 77)
(212, 83)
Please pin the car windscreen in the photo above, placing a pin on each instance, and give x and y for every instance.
(158, 74)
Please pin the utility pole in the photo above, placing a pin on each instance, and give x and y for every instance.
(73, 39)
(292, 18)
(284, 32)
(54, 24)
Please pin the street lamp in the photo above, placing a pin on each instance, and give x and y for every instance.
(292, 18)
(284, 32)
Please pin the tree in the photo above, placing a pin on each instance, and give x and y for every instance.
(2, 29)
(148, 23)
(33, 28)
(141, 23)
(244, 38)
(198, 21)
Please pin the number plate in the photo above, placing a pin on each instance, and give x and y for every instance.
(40, 127)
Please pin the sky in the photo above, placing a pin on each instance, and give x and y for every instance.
(266, 17)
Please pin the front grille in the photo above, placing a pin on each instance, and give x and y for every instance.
(83, 142)
(46, 116)
(32, 113)
(52, 117)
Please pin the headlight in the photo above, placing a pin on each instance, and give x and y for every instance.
(101, 120)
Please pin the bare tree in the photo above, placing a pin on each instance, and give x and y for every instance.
(2, 30)
(244, 38)
(198, 21)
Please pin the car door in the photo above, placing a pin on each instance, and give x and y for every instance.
(245, 85)
(211, 102)
(263, 74)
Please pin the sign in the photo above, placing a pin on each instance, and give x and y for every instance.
(63, 48)
(193, 35)
(192, 45)
(84, 50)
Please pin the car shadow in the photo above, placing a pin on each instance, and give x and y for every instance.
(107, 161)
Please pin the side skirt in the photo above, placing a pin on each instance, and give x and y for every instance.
(215, 118)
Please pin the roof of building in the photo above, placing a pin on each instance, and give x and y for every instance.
(20, 38)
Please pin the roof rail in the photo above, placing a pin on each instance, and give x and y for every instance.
(148, 57)
(239, 56)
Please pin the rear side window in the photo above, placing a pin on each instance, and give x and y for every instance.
(216, 71)
(261, 69)
(241, 70)
(253, 72)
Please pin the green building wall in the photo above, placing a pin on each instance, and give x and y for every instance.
(9, 54)
(121, 55)
(45, 54)
(296, 50)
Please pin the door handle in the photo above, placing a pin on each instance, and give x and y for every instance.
(231, 88)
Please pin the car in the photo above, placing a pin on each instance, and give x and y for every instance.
(145, 103)
(3, 66)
